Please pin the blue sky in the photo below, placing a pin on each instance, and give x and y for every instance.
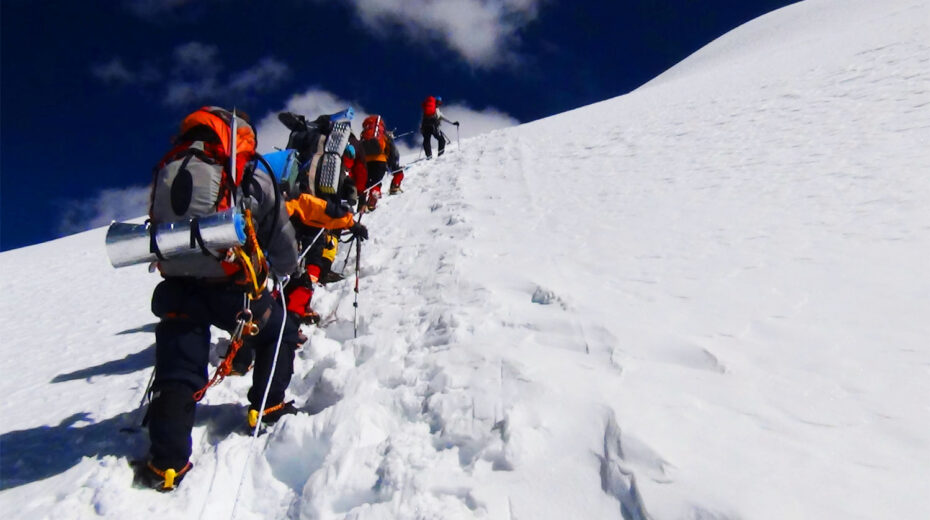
(92, 91)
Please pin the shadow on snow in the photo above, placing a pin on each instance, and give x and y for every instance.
(129, 364)
(45, 451)
(150, 327)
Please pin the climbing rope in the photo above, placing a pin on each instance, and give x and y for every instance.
(261, 409)
(256, 272)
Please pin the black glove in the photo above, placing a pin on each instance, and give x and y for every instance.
(359, 231)
(336, 209)
(456, 123)
(293, 122)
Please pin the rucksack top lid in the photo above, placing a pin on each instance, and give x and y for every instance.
(372, 126)
(219, 120)
(373, 120)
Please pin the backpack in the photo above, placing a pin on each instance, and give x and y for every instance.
(195, 179)
(305, 135)
(429, 106)
(319, 146)
(284, 166)
(374, 138)
(323, 173)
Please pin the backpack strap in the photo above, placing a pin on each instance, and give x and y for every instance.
(248, 176)
(197, 240)
(153, 244)
(277, 197)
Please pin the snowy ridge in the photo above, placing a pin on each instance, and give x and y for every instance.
(705, 299)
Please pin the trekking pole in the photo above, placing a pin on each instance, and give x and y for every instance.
(233, 134)
(358, 258)
(349, 254)
(458, 140)
(146, 396)
(446, 137)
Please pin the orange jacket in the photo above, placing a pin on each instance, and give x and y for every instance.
(312, 212)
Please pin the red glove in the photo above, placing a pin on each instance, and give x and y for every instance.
(298, 301)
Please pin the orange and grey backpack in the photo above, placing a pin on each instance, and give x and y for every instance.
(374, 139)
(206, 172)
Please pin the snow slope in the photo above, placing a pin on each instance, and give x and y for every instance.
(704, 299)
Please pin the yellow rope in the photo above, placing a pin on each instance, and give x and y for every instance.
(254, 277)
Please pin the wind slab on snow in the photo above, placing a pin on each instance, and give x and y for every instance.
(706, 299)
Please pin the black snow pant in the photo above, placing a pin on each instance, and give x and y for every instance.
(187, 309)
(376, 171)
(429, 130)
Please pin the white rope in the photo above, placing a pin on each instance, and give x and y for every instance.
(261, 409)
(307, 250)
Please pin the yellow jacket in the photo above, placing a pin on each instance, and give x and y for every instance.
(312, 212)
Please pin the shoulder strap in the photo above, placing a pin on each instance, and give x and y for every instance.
(248, 177)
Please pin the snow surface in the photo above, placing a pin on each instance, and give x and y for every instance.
(707, 299)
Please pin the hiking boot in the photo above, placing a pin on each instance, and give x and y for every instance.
(395, 190)
(373, 197)
(240, 370)
(162, 480)
(311, 317)
(331, 277)
(272, 414)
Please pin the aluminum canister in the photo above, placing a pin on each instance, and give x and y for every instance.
(129, 244)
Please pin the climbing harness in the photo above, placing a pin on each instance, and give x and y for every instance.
(244, 326)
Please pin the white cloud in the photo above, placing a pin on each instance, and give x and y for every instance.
(475, 122)
(105, 207)
(182, 92)
(196, 76)
(114, 71)
(264, 75)
(481, 31)
(197, 58)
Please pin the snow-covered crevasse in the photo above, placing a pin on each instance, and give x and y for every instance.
(705, 299)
